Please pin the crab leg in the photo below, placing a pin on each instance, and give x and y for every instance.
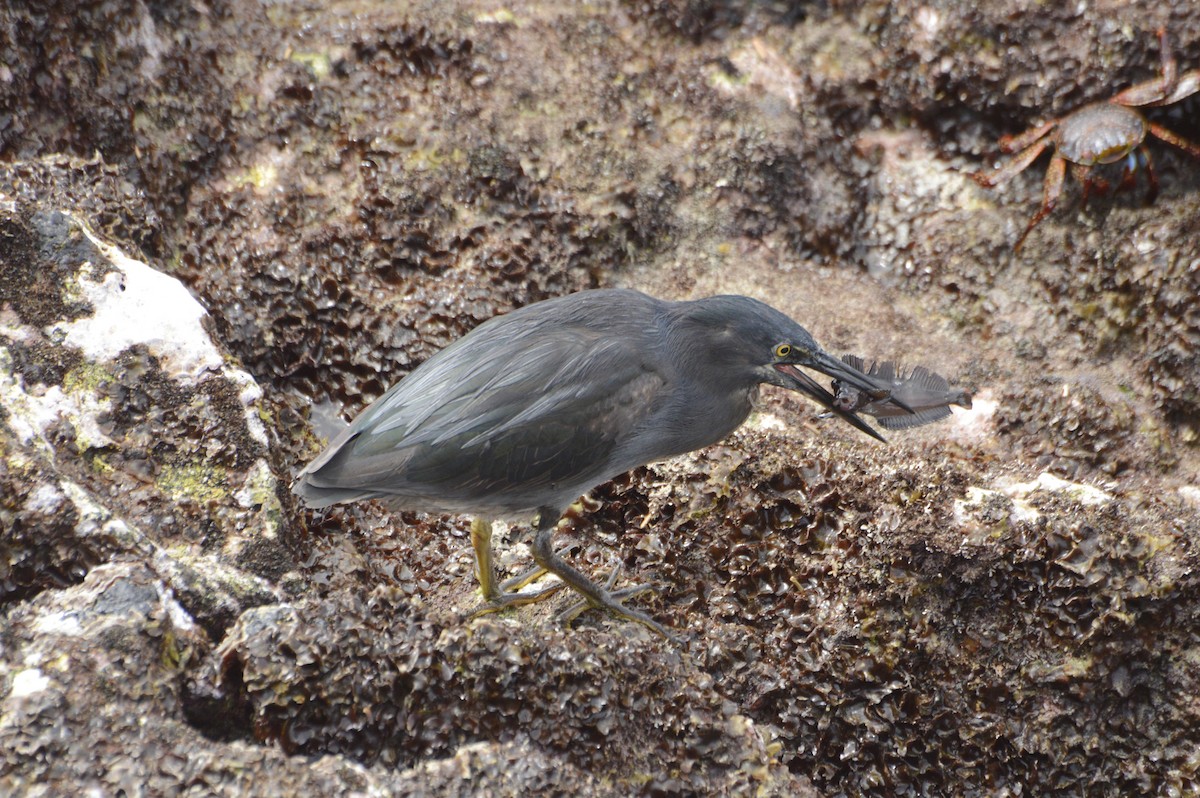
(1149, 92)
(1168, 62)
(1151, 177)
(1050, 193)
(1084, 175)
(1160, 132)
(1152, 92)
(1189, 84)
(1023, 140)
(1006, 172)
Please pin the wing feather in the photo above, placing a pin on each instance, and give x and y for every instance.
(542, 410)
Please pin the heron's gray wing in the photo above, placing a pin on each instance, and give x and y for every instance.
(538, 414)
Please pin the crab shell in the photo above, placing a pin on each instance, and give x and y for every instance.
(1099, 133)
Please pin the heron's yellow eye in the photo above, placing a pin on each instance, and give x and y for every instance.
(783, 350)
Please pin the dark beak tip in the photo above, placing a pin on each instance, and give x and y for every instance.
(863, 426)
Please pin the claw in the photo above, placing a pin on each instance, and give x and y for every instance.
(567, 616)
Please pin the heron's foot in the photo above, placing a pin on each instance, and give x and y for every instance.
(568, 616)
(611, 602)
(521, 581)
(593, 594)
(608, 599)
(502, 601)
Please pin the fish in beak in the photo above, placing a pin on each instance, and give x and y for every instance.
(845, 374)
(926, 393)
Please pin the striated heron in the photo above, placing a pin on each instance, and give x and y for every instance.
(534, 408)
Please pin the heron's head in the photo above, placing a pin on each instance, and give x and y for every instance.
(747, 340)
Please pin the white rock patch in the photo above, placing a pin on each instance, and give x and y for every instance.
(32, 412)
(138, 305)
(28, 682)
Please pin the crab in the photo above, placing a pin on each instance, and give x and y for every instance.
(1100, 133)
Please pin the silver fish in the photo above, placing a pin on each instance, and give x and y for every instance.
(927, 393)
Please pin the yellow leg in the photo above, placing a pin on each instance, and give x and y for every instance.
(485, 568)
(498, 597)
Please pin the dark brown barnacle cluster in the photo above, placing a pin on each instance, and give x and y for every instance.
(782, 186)
(722, 543)
(1070, 427)
(408, 550)
(414, 50)
(1105, 606)
(377, 679)
(41, 545)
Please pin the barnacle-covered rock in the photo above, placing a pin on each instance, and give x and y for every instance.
(1114, 276)
(1002, 58)
(1007, 612)
(90, 697)
(81, 669)
(835, 593)
(1144, 294)
(132, 82)
(124, 431)
(377, 678)
(389, 239)
(1072, 425)
(914, 195)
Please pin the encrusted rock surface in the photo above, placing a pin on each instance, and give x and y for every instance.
(220, 223)
(123, 424)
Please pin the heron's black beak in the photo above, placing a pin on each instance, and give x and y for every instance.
(797, 380)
